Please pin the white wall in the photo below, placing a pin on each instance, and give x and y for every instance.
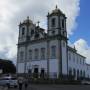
(64, 57)
(75, 64)
(20, 68)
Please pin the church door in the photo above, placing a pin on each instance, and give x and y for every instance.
(42, 73)
(36, 72)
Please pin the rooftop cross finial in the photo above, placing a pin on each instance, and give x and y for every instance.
(38, 23)
(56, 7)
(27, 17)
(74, 47)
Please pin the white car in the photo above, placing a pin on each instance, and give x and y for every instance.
(85, 82)
(9, 81)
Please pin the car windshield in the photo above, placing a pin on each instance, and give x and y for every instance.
(13, 78)
(8, 78)
(5, 79)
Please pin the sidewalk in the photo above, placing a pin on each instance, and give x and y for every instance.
(53, 87)
(3, 88)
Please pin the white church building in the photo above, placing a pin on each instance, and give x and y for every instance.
(49, 53)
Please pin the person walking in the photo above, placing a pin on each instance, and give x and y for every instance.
(26, 83)
(20, 82)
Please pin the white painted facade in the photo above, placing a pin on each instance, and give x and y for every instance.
(49, 51)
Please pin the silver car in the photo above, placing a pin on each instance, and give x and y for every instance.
(9, 81)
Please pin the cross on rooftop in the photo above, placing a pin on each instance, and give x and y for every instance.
(27, 17)
(38, 23)
(56, 7)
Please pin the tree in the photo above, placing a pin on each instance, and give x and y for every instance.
(7, 66)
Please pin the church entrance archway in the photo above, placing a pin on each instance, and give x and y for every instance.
(36, 72)
(42, 75)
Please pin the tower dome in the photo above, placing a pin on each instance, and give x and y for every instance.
(26, 21)
(56, 11)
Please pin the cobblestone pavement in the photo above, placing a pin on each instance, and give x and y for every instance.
(53, 87)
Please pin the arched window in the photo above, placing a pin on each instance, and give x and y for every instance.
(23, 31)
(21, 56)
(53, 32)
(63, 23)
(53, 52)
(77, 73)
(69, 56)
(36, 54)
(42, 53)
(74, 72)
(32, 32)
(63, 44)
(70, 71)
(81, 73)
(30, 54)
(53, 22)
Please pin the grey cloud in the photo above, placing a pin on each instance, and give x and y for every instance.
(14, 11)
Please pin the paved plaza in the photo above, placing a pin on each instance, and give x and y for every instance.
(53, 87)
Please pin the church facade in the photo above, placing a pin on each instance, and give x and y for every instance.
(49, 53)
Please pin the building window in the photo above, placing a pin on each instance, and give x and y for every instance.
(80, 61)
(77, 73)
(81, 73)
(74, 72)
(23, 31)
(73, 57)
(42, 53)
(53, 52)
(32, 32)
(63, 44)
(77, 59)
(63, 23)
(36, 54)
(21, 56)
(83, 62)
(30, 54)
(53, 32)
(70, 71)
(53, 22)
(69, 56)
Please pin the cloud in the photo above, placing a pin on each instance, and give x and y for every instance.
(83, 48)
(14, 11)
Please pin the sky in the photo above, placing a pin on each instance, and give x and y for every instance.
(12, 12)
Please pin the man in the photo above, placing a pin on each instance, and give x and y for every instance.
(26, 83)
(20, 82)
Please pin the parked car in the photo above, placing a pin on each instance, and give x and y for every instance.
(84, 82)
(9, 81)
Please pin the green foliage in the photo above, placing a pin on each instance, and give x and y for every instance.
(7, 66)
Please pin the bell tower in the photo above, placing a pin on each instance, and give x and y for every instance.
(56, 23)
(57, 27)
(26, 30)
